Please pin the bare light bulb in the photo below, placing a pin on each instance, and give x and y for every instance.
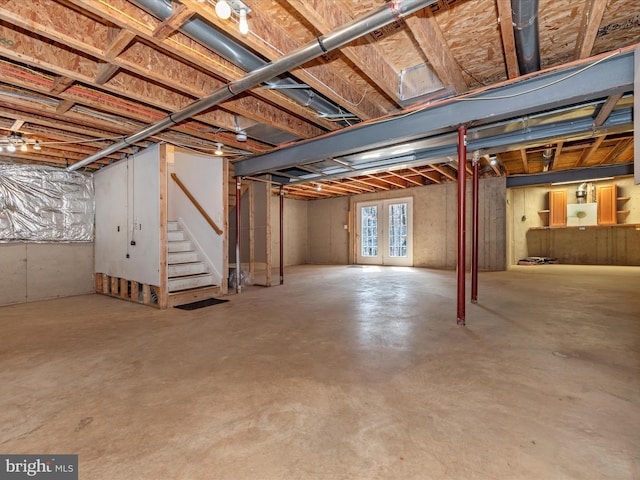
(243, 25)
(11, 148)
(218, 149)
(23, 147)
(37, 145)
(223, 9)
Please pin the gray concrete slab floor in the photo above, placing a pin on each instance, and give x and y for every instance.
(342, 373)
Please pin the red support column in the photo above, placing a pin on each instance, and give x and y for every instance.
(462, 180)
(474, 234)
(238, 208)
(281, 235)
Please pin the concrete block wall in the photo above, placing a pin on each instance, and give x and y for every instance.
(39, 271)
(435, 225)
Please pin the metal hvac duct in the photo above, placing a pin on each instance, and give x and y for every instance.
(525, 28)
(321, 45)
(238, 55)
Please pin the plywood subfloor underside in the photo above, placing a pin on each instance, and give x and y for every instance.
(343, 372)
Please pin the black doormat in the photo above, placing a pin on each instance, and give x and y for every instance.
(200, 304)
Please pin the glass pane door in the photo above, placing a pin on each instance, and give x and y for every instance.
(384, 232)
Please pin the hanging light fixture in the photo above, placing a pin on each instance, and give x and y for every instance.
(11, 148)
(37, 146)
(223, 9)
(243, 25)
(318, 187)
(219, 149)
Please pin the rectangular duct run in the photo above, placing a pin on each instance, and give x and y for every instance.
(417, 82)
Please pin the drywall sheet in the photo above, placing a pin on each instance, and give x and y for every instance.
(128, 218)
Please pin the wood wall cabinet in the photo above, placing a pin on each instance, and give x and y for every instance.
(558, 208)
(606, 197)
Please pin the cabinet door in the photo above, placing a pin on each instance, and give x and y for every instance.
(606, 199)
(558, 208)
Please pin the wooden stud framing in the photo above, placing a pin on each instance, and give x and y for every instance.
(163, 292)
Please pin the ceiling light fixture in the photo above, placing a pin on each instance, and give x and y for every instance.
(318, 187)
(493, 160)
(219, 149)
(37, 146)
(243, 25)
(23, 147)
(223, 9)
(11, 148)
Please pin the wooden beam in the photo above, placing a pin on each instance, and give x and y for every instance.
(328, 79)
(60, 84)
(525, 160)
(326, 15)
(618, 151)
(430, 175)
(508, 38)
(349, 187)
(105, 72)
(407, 178)
(606, 109)
(444, 171)
(64, 106)
(386, 180)
(556, 154)
(167, 152)
(591, 19)
(173, 22)
(504, 165)
(121, 40)
(429, 36)
(588, 152)
(370, 183)
(167, 77)
(17, 124)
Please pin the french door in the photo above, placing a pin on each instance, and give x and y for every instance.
(385, 232)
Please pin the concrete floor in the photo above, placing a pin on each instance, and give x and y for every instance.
(343, 373)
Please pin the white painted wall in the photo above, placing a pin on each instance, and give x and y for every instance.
(128, 209)
(203, 175)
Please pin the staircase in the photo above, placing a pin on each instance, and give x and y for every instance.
(189, 276)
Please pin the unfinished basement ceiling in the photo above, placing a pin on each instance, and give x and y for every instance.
(78, 76)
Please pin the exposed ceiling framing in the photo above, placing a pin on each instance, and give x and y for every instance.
(79, 75)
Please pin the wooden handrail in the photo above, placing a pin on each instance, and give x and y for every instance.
(196, 204)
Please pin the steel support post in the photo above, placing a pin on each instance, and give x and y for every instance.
(238, 208)
(281, 235)
(474, 234)
(462, 180)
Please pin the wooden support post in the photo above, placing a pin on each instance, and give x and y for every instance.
(124, 288)
(106, 283)
(135, 292)
(146, 294)
(224, 288)
(99, 285)
(163, 293)
(114, 286)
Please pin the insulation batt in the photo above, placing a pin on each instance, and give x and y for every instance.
(45, 204)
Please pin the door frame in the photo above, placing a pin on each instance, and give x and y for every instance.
(383, 257)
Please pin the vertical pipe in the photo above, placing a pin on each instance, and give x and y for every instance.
(238, 201)
(462, 180)
(474, 234)
(281, 235)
